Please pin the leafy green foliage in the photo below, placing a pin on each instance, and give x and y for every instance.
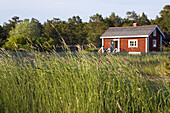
(17, 41)
(164, 21)
(1, 31)
(7, 27)
(113, 20)
(76, 32)
(96, 28)
(2, 42)
(29, 30)
(20, 35)
(144, 20)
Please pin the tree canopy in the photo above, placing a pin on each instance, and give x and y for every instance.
(18, 33)
(164, 20)
(21, 34)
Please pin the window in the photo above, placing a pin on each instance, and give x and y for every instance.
(154, 32)
(132, 43)
(154, 43)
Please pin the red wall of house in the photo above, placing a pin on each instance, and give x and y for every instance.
(141, 45)
(107, 43)
(157, 37)
(124, 45)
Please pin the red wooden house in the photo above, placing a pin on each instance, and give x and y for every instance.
(134, 39)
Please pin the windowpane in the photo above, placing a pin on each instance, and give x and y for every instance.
(132, 43)
(154, 32)
(154, 43)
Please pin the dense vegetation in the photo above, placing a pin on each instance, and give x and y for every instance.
(79, 82)
(23, 33)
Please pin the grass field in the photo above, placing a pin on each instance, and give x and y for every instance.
(84, 82)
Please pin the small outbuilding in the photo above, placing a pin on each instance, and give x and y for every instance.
(134, 39)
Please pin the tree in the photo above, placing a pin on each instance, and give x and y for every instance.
(144, 20)
(1, 37)
(27, 29)
(75, 20)
(8, 26)
(76, 31)
(96, 18)
(37, 24)
(113, 20)
(17, 41)
(132, 15)
(21, 34)
(164, 21)
(49, 32)
(1, 31)
(96, 27)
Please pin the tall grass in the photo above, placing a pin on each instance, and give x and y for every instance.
(78, 82)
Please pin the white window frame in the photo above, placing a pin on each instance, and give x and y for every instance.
(134, 40)
(154, 43)
(154, 32)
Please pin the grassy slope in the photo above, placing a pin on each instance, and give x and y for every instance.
(77, 82)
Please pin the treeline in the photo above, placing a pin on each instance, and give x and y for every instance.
(27, 33)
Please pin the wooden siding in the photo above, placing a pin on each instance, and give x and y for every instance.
(141, 43)
(107, 43)
(124, 45)
(157, 38)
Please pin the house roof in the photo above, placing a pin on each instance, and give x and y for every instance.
(138, 31)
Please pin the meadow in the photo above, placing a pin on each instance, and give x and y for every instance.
(84, 82)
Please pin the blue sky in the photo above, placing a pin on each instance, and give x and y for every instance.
(64, 9)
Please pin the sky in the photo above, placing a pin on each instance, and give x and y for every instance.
(64, 9)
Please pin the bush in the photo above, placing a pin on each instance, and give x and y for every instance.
(18, 41)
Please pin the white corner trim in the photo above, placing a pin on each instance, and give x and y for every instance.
(102, 42)
(119, 45)
(146, 45)
(134, 52)
(133, 36)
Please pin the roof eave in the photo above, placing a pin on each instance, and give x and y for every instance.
(159, 31)
(133, 36)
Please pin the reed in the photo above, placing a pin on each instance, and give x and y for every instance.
(82, 82)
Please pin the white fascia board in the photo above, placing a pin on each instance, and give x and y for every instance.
(159, 31)
(134, 36)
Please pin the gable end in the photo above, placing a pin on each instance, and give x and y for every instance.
(158, 30)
